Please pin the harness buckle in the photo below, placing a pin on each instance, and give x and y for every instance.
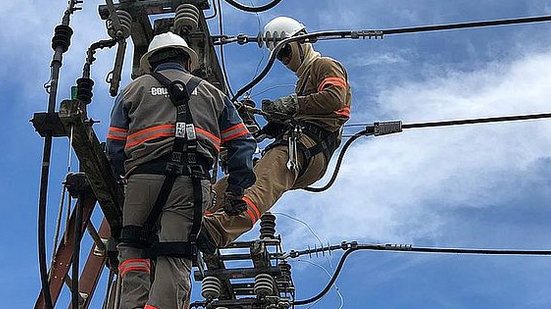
(173, 168)
(180, 130)
(196, 170)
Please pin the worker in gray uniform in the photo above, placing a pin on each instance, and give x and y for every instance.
(306, 126)
(166, 130)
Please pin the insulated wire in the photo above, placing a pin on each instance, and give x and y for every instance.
(337, 290)
(270, 88)
(215, 11)
(222, 57)
(420, 125)
(250, 9)
(434, 250)
(339, 163)
(356, 34)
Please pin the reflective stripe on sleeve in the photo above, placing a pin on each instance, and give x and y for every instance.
(345, 111)
(252, 211)
(234, 132)
(335, 81)
(117, 134)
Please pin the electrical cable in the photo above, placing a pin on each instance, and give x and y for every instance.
(261, 51)
(339, 163)
(328, 286)
(215, 13)
(384, 128)
(222, 57)
(353, 246)
(60, 44)
(270, 88)
(357, 34)
(337, 290)
(251, 9)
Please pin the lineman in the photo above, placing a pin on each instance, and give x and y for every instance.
(166, 130)
(317, 112)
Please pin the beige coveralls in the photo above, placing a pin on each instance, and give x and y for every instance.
(324, 99)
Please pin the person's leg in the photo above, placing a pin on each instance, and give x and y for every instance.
(134, 269)
(273, 178)
(171, 287)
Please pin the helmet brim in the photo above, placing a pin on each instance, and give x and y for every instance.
(145, 66)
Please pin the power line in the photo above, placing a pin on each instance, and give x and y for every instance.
(222, 57)
(391, 127)
(215, 13)
(251, 9)
(337, 290)
(351, 247)
(369, 34)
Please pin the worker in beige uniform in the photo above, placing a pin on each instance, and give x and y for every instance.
(313, 117)
(166, 130)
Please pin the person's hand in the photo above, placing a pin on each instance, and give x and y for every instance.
(233, 204)
(284, 106)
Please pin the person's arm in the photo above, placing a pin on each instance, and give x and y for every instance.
(331, 93)
(240, 147)
(116, 138)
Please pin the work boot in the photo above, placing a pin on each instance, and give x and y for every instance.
(205, 242)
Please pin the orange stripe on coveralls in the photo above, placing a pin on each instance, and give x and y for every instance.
(215, 140)
(345, 111)
(336, 81)
(253, 211)
(140, 265)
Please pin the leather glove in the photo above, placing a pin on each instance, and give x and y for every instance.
(234, 204)
(283, 106)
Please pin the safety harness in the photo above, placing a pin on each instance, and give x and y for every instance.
(325, 142)
(183, 161)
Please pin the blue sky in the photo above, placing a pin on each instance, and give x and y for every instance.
(479, 186)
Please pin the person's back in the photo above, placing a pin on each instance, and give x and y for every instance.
(166, 130)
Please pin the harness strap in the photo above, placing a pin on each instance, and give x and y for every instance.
(183, 161)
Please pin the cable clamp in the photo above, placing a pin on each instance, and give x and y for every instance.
(242, 39)
(385, 127)
(367, 34)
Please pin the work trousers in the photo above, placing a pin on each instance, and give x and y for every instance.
(171, 286)
(273, 178)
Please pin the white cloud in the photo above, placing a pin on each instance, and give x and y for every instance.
(403, 187)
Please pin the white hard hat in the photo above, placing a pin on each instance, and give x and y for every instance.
(280, 28)
(166, 40)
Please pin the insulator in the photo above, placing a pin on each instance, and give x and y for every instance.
(125, 22)
(211, 288)
(84, 90)
(62, 37)
(187, 18)
(264, 285)
(267, 226)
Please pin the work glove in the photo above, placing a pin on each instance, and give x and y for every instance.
(284, 106)
(234, 205)
(272, 129)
